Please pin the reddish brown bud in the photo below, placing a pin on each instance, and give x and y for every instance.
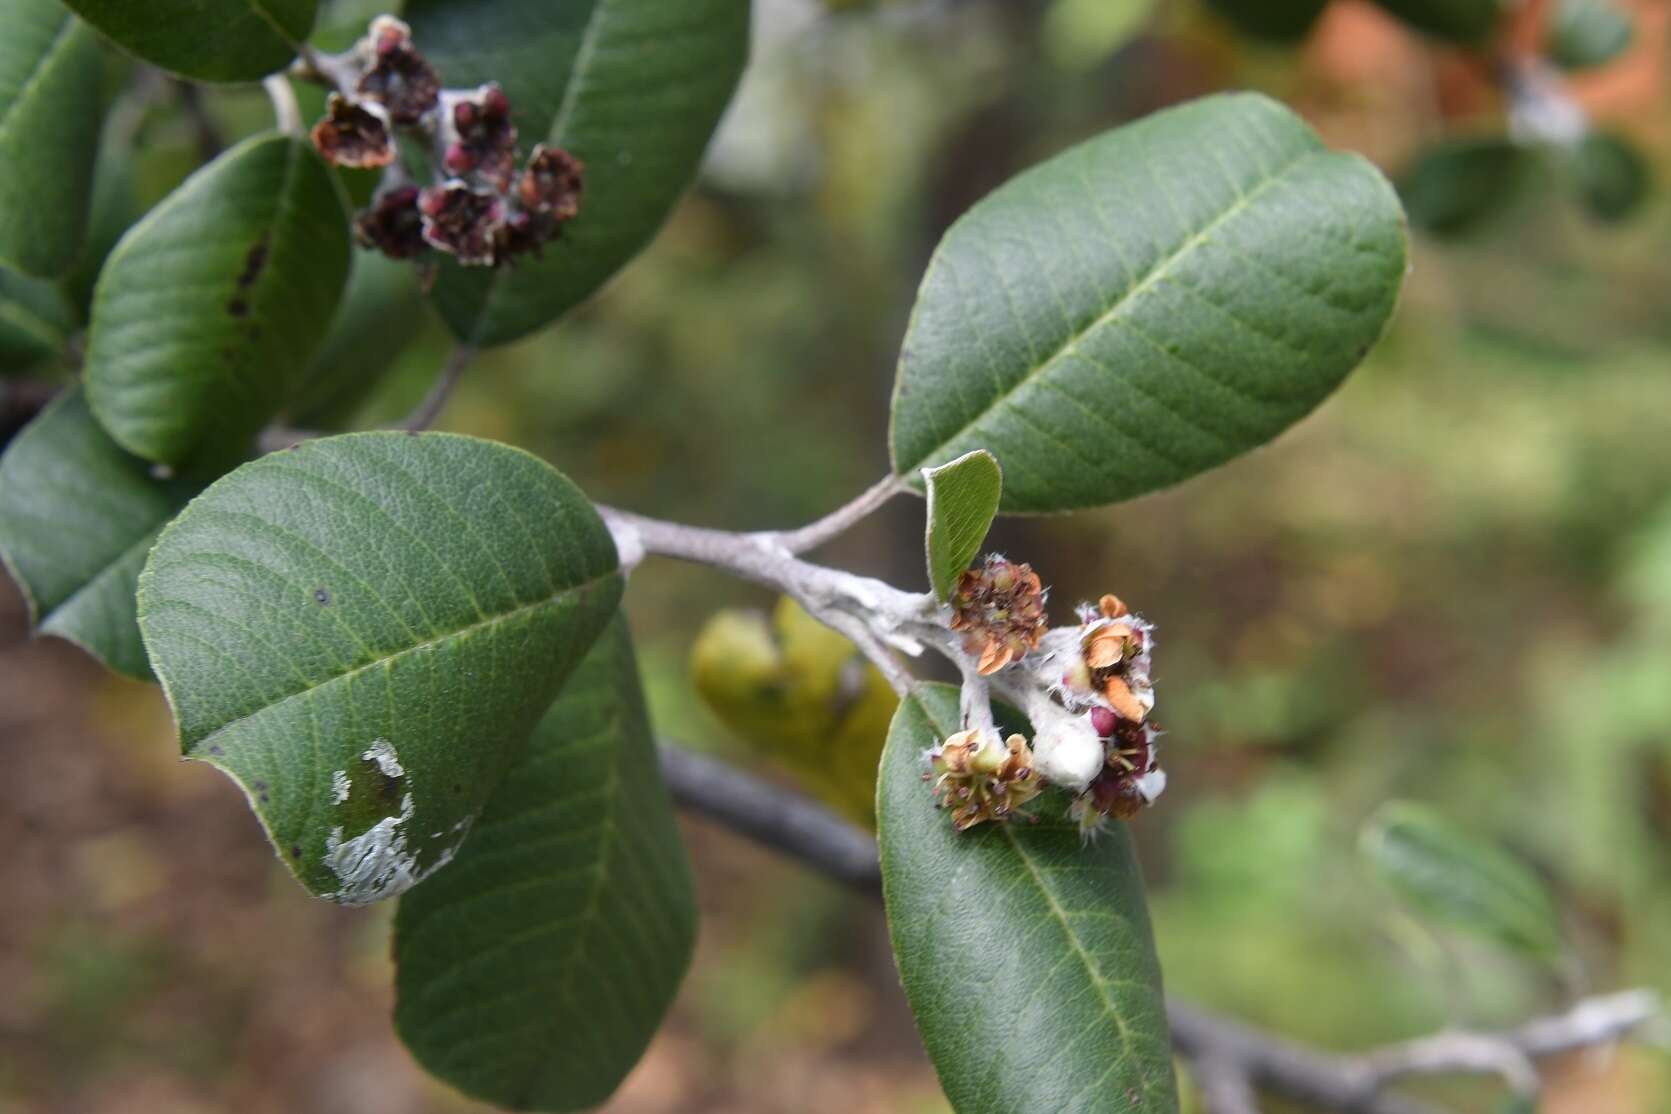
(462, 221)
(393, 224)
(396, 75)
(486, 136)
(353, 134)
(551, 183)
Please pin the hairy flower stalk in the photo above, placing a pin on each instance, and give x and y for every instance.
(476, 206)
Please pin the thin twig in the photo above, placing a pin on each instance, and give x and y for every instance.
(210, 142)
(424, 414)
(1231, 1057)
(287, 114)
(840, 520)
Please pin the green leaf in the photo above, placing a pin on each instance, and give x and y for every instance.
(1586, 33)
(378, 319)
(1148, 305)
(77, 517)
(1470, 22)
(1460, 881)
(534, 970)
(363, 630)
(632, 87)
(209, 309)
(1026, 954)
(210, 40)
(114, 208)
(1612, 175)
(1080, 34)
(962, 502)
(35, 321)
(51, 98)
(1456, 185)
(1282, 21)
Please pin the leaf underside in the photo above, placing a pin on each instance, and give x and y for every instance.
(534, 969)
(632, 87)
(1148, 305)
(363, 630)
(1027, 957)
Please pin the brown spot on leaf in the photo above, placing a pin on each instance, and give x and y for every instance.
(321, 597)
(254, 262)
(237, 307)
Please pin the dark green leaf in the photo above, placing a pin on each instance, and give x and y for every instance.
(209, 309)
(1612, 175)
(380, 315)
(1585, 33)
(1282, 21)
(211, 40)
(1470, 22)
(363, 630)
(1455, 186)
(1026, 954)
(1459, 880)
(51, 99)
(77, 517)
(534, 970)
(632, 87)
(35, 321)
(1148, 305)
(115, 207)
(962, 502)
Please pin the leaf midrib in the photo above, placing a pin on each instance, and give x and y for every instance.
(460, 632)
(1156, 273)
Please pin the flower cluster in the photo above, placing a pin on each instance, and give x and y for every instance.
(979, 779)
(1085, 687)
(999, 609)
(477, 208)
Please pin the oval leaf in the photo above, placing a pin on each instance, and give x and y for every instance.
(632, 87)
(77, 517)
(1612, 175)
(51, 98)
(211, 40)
(1148, 305)
(534, 970)
(1586, 33)
(1026, 954)
(363, 630)
(380, 315)
(208, 310)
(1460, 881)
(962, 502)
(1457, 185)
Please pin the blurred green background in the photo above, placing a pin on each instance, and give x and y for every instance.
(1452, 584)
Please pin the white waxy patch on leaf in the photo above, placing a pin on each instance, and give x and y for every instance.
(339, 786)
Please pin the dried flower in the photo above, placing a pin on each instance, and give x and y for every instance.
(392, 224)
(482, 139)
(1000, 609)
(1130, 780)
(354, 134)
(395, 74)
(551, 183)
(465, 222)
(981, 780)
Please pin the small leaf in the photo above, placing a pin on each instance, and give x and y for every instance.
(1026, 954)
(77, 517)
(1148, 305)
(380, 315)
(802, 696)
(634, 88)
(51, 98)
(1586, 33)
(209, 308)
(1282, 21)
(35, 321)
(1457, 185)
(1080, 34)
(210, 40)
(1469, 22)
(363, 630)
(534, 970)
(962, 502)
(1612, 175)
(1460, 881)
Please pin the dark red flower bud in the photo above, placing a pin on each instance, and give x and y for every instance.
(486, 135)
(1104, 721)
(393, 224)
(457, 160)
(396, 75)
(463, 221)
(353, 134)
(551, 183)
